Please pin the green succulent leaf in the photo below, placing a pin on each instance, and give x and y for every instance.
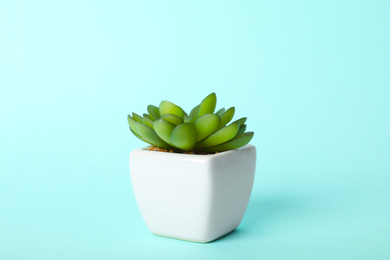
(184, 136)
(131, 122)
(220, 112)
(154, 112)
(150, 136)
(241, 121)
(147, 121)
(206, 125)
(172, 119)
(167, 107)
(164, 129)
(138, 118)
(207, 106)
(226, 117)
(236, 142)
(147, 115)
(139, 137)
(221, 136)
(194, 112)
(241, 130)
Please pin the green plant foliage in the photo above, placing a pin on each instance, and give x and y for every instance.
(167, 107)
(201, 131)
(149, 135)
(184, 137)
(154, 112)
(206, 125)
(172, 119)
(208, 105)
(221, 136)
(164, 129)
(226, 117)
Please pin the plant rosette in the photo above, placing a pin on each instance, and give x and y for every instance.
(195, 180)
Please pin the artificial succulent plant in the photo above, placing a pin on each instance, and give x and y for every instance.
(201, 131)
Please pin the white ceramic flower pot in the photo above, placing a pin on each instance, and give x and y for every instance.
(193, 197)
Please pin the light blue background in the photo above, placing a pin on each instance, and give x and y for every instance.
(311, 76)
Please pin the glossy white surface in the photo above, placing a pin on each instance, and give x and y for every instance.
(193, 197)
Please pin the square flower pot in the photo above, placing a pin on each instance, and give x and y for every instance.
(193, 197)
